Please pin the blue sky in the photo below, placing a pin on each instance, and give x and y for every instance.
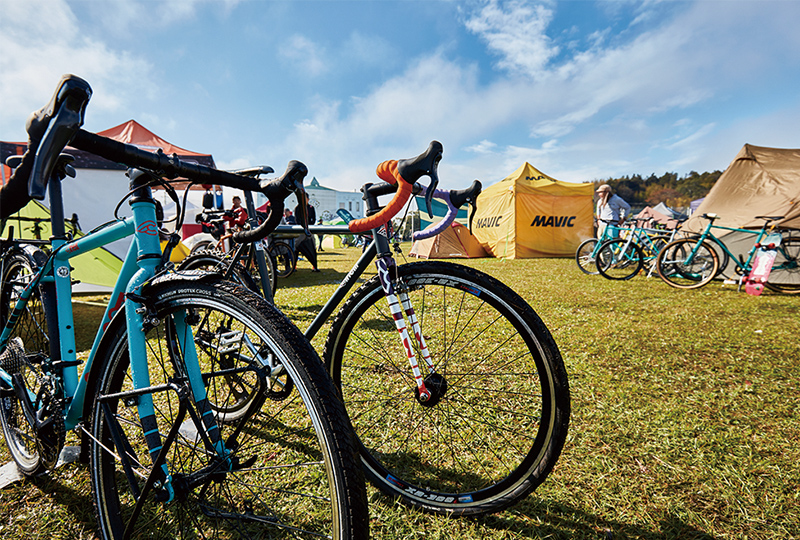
(582, 90)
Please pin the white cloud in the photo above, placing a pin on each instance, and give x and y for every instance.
(38, 50)
(307, 56)
(517, 32)
(483, 147)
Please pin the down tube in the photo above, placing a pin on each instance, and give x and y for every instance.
(129, 267)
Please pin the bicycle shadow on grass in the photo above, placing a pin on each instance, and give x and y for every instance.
(74, 501)
(547, 518)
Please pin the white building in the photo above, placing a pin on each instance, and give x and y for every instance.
(327, 201)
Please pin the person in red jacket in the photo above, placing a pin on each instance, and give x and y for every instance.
(236, 216)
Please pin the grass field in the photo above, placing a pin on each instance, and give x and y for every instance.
(685, 421)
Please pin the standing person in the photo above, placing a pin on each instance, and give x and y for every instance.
(288, 218)
(320, 236)
(306, 245)
(611, 208)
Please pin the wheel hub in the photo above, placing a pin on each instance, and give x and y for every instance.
(437, 386)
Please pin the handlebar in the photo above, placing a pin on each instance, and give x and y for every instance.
(58, 123)
(455, 199)
(403, 173)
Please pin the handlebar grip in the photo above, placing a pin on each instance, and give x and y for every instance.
(455, 199)
(276, 191)
(387, 171)
(403, 173)
(387, 212)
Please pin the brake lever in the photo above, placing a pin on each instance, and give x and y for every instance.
(434, 175)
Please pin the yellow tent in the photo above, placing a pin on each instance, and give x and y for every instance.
(529, 214)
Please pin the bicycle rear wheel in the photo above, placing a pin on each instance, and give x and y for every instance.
(291, 469)
(785, 274)
(585, 255)
(27, 348)
(498, 420)
(619, 259)
(677, 266)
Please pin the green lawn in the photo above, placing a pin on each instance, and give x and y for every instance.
(684, 416)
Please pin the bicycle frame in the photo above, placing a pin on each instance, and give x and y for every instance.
(141, 262)
(745, 264)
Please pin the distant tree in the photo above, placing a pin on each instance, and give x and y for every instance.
(667, 188)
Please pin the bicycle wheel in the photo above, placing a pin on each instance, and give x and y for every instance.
(678, 268)
(28, 346)
(719, 250)
(291, 471)
(204, 245)
(215, 260)
(619, 259)
(498, 420)
(283, 258)
(785, 274)
(584, 256)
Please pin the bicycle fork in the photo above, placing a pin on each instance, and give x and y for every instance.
(400, 306)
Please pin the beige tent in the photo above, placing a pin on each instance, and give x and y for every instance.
(454, 242)
(529, 214)
(760, 181)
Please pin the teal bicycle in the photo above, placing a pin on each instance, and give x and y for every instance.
(203, 411)
(692, 262)
(621, 252)
(636, 248)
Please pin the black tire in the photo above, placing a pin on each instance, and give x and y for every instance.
(215, 260)
(204, 245)
(619, 259)
(295, 471)
(584, 256)
(673, 268)
(722, 254)
(785, 274)
(27, 347)
(488, 439)
(651, 249)
(283, 258)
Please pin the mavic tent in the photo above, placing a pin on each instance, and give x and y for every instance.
(760, 181)
(453, 242)
(529, 214)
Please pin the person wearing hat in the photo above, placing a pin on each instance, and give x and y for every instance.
(611, 208)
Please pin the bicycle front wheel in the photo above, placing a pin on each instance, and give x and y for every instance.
(684, 264)
(585, 255)
(619, 259)
(498, 420)
(214, 260)
(290, 469)
(785, 274)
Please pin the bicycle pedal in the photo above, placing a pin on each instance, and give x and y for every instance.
(230, 342)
